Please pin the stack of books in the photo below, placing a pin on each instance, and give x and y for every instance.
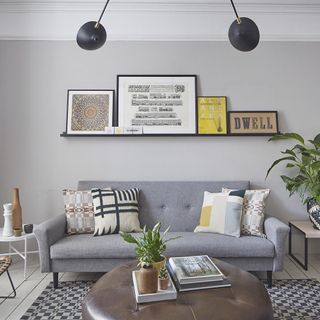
(196, 273)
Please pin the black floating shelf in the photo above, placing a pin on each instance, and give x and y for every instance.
(64, 134)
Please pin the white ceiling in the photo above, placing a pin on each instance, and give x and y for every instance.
(196, 20)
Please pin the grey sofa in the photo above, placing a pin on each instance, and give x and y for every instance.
(174, 204)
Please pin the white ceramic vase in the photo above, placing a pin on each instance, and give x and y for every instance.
(7, 228)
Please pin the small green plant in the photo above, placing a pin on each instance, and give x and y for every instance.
(151, 246)
(304, 162)
(163, 274)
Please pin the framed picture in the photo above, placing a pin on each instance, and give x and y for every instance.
(212, 115)
(89, 111)
(253, 122)
(160, 104)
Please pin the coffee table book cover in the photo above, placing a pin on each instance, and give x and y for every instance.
(194, 269)
(161, 295)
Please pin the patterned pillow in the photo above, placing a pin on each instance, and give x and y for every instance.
(221, 213)
(253, 211)
(79, 210)
(115, 211)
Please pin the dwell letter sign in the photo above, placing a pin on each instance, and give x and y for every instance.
(253, 122)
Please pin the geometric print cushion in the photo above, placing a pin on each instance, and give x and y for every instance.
(115, 211)
(253, 214)
(221, 213)
(79, 210)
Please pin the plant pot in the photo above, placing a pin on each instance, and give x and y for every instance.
(159, 265)
(163, 283)
(313, 209)
(148, 280)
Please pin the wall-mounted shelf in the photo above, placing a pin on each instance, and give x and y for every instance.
(64, 134)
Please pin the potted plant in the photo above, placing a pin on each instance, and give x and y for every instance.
(163, 278)
(303, 160)
(151, 244)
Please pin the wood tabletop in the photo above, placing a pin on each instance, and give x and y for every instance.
(307, 228)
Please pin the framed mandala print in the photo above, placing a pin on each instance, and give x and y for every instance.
(89, 111)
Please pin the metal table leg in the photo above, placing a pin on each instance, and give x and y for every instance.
(305, 264)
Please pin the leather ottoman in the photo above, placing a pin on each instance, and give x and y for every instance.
(112, 298)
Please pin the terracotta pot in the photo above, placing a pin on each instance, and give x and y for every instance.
(148, 280)
(159, 265)
(163, 283)
(16, 210)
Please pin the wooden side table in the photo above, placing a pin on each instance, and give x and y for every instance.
(309, 232)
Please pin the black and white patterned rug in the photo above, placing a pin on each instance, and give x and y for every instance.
(291, 299)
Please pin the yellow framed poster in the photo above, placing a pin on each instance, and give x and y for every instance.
(212, 115)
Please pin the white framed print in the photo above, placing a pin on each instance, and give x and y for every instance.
(89, 111)
(160, 104)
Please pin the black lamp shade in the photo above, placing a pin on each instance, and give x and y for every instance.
(90, 37)
(244, 36)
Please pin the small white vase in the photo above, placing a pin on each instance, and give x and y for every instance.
(7, 228)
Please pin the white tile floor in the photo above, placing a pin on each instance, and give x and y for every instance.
(28, 290)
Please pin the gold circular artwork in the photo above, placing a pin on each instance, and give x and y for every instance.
(90, 112)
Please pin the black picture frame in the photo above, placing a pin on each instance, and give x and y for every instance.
(263, 129)
(165, 129)
(95, 117)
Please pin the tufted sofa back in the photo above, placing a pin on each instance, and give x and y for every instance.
(174, 203)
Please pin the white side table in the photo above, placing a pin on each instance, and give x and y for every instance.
(23, 254)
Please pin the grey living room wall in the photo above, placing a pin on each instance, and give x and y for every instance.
(35, 77)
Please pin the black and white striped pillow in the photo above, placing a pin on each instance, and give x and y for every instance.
(115, 210)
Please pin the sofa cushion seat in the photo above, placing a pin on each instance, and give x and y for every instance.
(113, 246)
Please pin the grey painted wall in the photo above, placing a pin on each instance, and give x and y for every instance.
(35, 76)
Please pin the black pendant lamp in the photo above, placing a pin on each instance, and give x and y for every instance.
(243, 33)
(92, 35)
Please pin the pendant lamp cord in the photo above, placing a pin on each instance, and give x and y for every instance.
(102, 13)
(235, 11)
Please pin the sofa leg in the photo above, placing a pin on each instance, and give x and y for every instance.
(269, 279)
(55, 280)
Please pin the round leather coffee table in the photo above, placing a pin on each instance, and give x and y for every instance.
(112, 298)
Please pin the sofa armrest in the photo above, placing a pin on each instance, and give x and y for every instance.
(277, 232)
(47, 233)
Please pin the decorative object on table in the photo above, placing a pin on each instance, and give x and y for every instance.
(253, 211)
(221, 213)
(16, 210)
(253, 122)
(170, 293)
(196, 273)
(116, 210)
(151, 245)
(212, 115)
(92, 35)
(17, 232)
(243, 34)
(303, 159)
(89, 111)
(79, 210)
(28, 228)
(5, 263)
(7, 214)
(161, 104)
(194, 269)
(148, 278)
(163, 278)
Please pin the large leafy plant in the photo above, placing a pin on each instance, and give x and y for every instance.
(303, 159)
(151, 246)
